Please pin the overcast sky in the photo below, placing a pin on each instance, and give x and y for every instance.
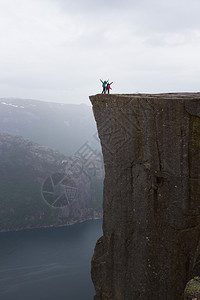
(57, 50)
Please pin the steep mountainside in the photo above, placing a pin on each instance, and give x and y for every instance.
(151, 211)
(41, 187)
(64, 127)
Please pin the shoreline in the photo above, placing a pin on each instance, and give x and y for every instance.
(50, 226)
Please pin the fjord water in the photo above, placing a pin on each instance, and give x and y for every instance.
(48, 263)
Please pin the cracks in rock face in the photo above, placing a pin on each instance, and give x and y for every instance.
(131, 169)
(158, 151)
(156, 113)
(155, 202)
(158, 180)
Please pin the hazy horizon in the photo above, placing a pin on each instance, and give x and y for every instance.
(46, 100)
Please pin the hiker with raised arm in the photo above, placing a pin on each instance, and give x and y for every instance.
(104, 84)
(108, 87)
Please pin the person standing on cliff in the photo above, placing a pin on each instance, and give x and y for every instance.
(104, 85)
(108, 87)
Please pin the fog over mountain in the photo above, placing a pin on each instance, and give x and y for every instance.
(51, 164)
(63, 127)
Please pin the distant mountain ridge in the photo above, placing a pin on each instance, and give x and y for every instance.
(63, 127)
(36, 190)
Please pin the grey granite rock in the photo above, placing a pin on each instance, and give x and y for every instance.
(151, 150)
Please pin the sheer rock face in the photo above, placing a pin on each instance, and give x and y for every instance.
(151, 148)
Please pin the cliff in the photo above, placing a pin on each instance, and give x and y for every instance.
(151, 150)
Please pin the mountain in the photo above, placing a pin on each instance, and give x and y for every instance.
(38, 185)
(63, 127)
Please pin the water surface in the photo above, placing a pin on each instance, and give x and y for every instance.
(48, 263)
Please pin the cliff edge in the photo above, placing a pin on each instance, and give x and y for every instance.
(151, 232)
